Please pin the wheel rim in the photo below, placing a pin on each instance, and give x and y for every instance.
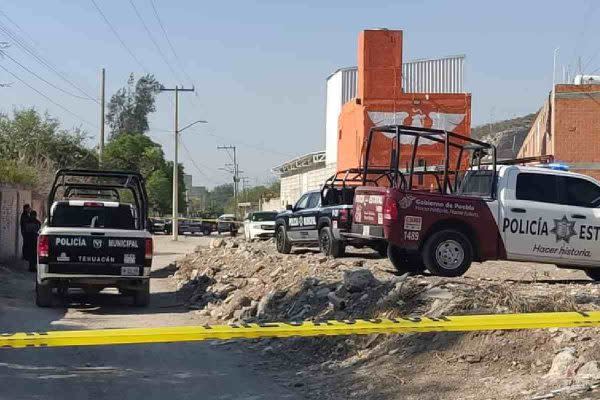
(449, 254)
(324, 243)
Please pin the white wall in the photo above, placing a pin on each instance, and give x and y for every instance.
(333, 107)
(293, 186)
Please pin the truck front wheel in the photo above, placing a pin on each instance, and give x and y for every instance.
(403, 262)
(283, 244)
(329, 245)
(43, 294)
(447, 253)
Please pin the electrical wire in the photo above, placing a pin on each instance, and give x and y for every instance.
(114, 31)
(48, 98)
(4, 54)
(160, 52)
(24, 46)
(196, 166)
(162, 27)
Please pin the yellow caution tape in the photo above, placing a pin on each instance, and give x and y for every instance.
(282, 329)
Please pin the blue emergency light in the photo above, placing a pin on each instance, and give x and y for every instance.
(556, 166)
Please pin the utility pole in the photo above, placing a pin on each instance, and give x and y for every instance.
(102, 102)
(174, 224)
(235, 173)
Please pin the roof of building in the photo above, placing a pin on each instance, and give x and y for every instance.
(300, 164)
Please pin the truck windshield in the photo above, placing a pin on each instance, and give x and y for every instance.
(476, 183)
(120, 217)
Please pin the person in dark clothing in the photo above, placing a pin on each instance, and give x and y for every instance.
(23, 221)
(32, 227)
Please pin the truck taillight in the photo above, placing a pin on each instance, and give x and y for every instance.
(390, 209)
(344, 215)
(149, 248)
(43, 246)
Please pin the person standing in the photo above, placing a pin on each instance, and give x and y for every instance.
(23, 222)
(32, 228)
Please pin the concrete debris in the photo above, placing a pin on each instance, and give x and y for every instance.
(564, 364)
(358, 280)
(250, 282)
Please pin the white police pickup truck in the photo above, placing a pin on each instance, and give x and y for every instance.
(92, 239)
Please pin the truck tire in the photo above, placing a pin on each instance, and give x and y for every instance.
(141, 296)
(329, 245)
(403, 262)
(281, 240)
(382, 249)
(43, 294)
(593, 273)
(447, 253)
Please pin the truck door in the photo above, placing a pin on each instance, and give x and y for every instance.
(294, 227)
(308, 217)
(531, 217)
(580, 222)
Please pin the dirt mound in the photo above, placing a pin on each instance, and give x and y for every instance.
(234, 281)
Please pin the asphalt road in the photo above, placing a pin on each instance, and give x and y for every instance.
(157, 371)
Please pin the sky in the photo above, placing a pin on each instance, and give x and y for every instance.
(259, 67)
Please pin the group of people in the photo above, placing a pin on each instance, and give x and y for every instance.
(30, 226)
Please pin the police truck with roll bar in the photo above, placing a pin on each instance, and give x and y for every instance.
(95, 236)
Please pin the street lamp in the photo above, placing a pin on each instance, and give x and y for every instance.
(174, 224)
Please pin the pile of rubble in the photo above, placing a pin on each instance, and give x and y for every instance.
(234, 281)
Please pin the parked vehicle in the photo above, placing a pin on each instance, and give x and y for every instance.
(95, 243)
(487, 211)
(157, 225)
(323, 217)
(259, 225)
(192, 226)
(227, 223)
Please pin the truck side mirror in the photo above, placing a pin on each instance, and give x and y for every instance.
(289, 207)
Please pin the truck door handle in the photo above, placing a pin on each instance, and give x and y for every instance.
(578, 216)
(518, 210)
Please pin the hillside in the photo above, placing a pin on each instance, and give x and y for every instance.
(508, 135)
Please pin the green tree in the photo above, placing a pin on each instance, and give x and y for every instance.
(130, 106)
(34, 141)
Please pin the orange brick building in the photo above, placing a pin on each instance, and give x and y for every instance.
(381, 100)
(568, 127)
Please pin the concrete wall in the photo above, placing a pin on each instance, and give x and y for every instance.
(272, 205)
(293, 186)
(574, 138)
(12, 200)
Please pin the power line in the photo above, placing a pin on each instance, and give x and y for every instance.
(24, 46)
(196, 166)
(114, 31)
(3, 53)
(160, 52)
(48, 98)
(9, 19)
(162, 27)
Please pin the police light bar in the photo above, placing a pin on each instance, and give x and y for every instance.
(555, 166)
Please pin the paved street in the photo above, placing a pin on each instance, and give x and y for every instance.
(159, 371)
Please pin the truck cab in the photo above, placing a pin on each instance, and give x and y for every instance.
(94, 243)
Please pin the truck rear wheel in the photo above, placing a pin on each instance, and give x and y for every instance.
(593, 273)
(329, 245)
(447, 253)
(141, 296)
(403, 262)
(283, 244)
(43, 294)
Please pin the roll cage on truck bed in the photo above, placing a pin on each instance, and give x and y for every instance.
(469, 206)
(95, 235)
